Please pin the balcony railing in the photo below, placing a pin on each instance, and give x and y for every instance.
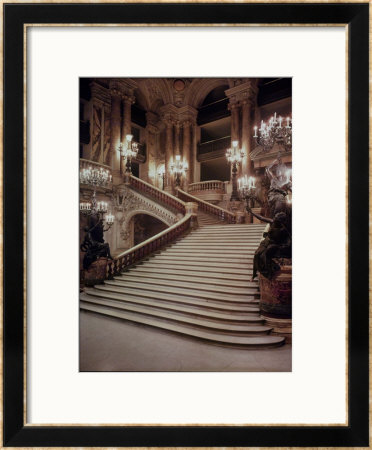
(222, 214)
(220, 144)
(151, 245)
(158, 195)
(211, 185)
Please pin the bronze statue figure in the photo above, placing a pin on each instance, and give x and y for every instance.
(94, 244)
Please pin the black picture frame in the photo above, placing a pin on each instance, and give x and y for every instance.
(15, 433)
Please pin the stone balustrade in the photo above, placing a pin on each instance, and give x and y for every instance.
(222, 214)
(211, 185)
(151, 245)
(157, 194)
(211, 191)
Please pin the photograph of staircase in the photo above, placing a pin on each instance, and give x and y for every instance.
(177, 194)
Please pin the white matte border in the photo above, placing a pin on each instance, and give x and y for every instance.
(314, 392)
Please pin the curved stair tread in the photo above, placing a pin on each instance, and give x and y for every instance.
(208, 259)
(244, 306)
(173, 316)
(204, 252)
(127, 277)
(202, 279)
(229, 315)
(219, 338)
(184, 266)
(217, 296)
(239, 247)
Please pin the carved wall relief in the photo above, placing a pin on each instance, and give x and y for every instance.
(127, 203)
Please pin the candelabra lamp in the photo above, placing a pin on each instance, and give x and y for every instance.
(234, 156)
(276, 131)
(178, 168)
(130, 152)
(161, 174)
(247, 189)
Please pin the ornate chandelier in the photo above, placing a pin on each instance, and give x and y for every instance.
(276, 131)
(96, 177)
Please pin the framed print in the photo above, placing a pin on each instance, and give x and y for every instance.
(149, 293)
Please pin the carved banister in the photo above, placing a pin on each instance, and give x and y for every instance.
(222, 214)
(158, 194)
(151, 245)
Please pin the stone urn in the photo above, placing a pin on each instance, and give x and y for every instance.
(276, 299)
(96, 273)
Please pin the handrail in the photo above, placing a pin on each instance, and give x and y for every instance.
(158, 194)
(210, 185)
(154, 243)
(223, 214)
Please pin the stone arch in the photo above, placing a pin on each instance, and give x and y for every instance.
(201, 87)
(131, 214)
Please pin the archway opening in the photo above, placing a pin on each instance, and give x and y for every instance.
(146, 226)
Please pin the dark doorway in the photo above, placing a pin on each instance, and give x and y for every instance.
(146, 226)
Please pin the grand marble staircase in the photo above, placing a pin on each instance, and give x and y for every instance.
(198, 287)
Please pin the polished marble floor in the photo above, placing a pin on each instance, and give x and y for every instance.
(109, 344)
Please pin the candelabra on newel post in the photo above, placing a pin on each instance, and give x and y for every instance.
(276, 131)
(96, 250)
(178, 168)
(247, 189)
(235, 156)
(161, 174)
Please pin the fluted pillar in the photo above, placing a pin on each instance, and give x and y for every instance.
(128, 100)
(168, 153)
(246, 137)
(115, 129)
(186, 150)
(177, 129)
(234, 108)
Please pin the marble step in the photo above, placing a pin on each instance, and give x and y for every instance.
(235, 226)
(139, 288)
(242, 269)
(190, 270)
(195, 277)
(206, 252)
(216, 245)
(199, 234)
(225, 239)
(166, 281)
(223, 327)
(212, 260)
(179, 303)
(213, 337)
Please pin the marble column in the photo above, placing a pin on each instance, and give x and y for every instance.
(234, 108)
(186, 150)
(115, 129)
(168, 153)
(128, 100)
(177, 129)
(246, 137)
